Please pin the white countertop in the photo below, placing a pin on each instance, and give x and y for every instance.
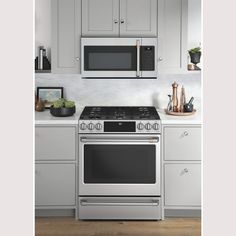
(195, 119)
(44, 118)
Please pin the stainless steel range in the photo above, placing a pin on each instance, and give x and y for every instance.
(119, 163)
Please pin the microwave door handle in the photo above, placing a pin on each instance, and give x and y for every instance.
(138, 58)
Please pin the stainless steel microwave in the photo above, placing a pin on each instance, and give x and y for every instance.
(119, 57)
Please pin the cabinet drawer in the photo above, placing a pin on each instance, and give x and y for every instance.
(182, 184)
(55, 143)
(55, 184)
(182, 143)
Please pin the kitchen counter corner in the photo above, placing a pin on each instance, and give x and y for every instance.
(45, 118)
(195, 119)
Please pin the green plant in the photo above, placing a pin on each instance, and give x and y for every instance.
(69, 104)
(195, 50)
(63, 103)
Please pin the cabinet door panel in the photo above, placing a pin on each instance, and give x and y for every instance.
(55, 143)
(182, 184)
(182, 143)
(55, 184)
(139, 16)
(172, 36)
(100, 17)
(66, 32)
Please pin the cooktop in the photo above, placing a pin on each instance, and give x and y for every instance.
(119, 113)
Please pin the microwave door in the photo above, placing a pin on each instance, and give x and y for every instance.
(111, 57)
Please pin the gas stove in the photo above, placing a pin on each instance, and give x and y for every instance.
(120, 119)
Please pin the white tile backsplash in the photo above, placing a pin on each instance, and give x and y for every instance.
(123, 92)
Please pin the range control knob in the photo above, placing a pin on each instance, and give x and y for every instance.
(90, 126)
(155, 126)
(82, 126)
(98, 126)
(140, 126)
(148, 126)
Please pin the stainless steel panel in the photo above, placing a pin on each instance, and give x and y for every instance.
(120, 189)
(120, 208)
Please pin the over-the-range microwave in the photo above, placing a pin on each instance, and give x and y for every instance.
(119, 57)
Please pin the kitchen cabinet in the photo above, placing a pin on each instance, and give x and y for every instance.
(66, 32)
(172, 36)
(182, 143)
(56, 163)
(55, 184)
(182, 184)
(181, 165)
(55, 143)
(124, 18)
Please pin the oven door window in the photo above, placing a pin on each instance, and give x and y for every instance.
(120, 164)
(110, 58)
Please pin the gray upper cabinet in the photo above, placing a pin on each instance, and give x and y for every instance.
(124, 18)
(172, 36)
(66, 31)
(100, 17)
(138, 18)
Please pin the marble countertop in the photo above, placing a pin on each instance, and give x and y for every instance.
(44, 118)
(195, 119)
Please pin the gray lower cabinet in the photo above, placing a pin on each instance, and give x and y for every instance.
(181, 157)
(172, 36)
(66, 32)
(182, 143)
(55, 184)
(182, 184)
(56, 162)
(124, 18)
(55, 143)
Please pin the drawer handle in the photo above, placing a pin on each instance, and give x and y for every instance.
(185, 133)
(185, 170)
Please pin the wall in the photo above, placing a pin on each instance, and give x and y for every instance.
(43, 26)
(118, 92)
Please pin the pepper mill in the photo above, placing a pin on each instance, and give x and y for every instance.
(175, 97)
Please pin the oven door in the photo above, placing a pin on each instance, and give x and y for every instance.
(114, 165)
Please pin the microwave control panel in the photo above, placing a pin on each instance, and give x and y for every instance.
(147, 58)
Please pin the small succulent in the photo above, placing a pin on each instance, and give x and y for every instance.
(69, 104)
(63, 103)
(195, 50)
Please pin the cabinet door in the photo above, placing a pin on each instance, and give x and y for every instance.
(172, 36)
(100, 18)
(55, 143)
(182, 143)
(66, 31)
(138, 18)
(55, 184)
(182, 184)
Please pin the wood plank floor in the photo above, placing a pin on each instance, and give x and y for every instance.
(70, 227)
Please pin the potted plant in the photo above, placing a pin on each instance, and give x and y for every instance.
(62, 108)
(195, 55)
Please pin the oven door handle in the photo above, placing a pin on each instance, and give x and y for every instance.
(96, 203)
(118, 140)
